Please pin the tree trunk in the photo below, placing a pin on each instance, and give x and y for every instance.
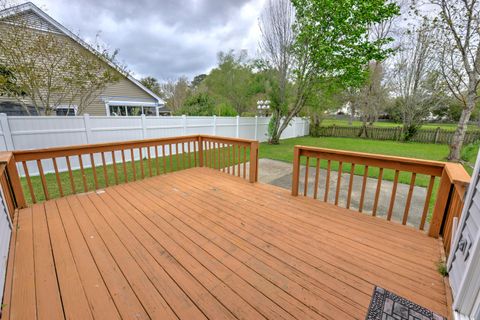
(274, 135)
(459, 136)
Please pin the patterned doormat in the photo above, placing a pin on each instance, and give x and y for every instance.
(386, 305)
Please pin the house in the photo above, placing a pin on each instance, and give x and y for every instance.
(125, 97)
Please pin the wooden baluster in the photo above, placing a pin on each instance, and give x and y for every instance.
(82, 171)
(219, 156)
(140, 151)
(364, 187)
(70, 174)
(44, 181)
(156, 160)
(189, 156)
(212, 155)
(206, 149)
(134, 169)
(149, 161)
(350, 185)
(170, 149)
(104, 165)
(115, 171)
(327, 181)
(229, 160)
(233, 157)
(305, 187)
(124, 163)
(94, 170)
(317, 177)
(224, 151)
(57, 176)
(377, 192)
(177, 155)
(409, 198)
(195, 148)
(393, 196)
(427, 202)
(339, 181)
(29, 182)
(239, 161)
(164, 158)
(244, 162)
(183, 155)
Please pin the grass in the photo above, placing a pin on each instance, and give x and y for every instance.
(445, 126)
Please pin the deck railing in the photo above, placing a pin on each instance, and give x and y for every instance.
(449, 178)
(84, 168)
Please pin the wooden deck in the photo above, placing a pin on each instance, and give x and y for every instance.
(202, 244)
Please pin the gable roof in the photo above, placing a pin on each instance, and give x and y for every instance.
(27, 12)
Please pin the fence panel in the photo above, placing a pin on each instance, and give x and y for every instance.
(438, 135)
(21, 133)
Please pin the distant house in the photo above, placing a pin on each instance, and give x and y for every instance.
(126, 97)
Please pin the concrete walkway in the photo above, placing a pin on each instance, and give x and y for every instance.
(279, 173)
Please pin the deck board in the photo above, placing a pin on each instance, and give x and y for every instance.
(200, 244)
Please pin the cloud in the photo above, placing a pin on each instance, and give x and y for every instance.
(165, 39)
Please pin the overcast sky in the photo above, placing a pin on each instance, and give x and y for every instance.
(163, 38)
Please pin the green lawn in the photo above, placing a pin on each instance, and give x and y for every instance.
(446, 126)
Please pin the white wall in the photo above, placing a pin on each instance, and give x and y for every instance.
(20, 133)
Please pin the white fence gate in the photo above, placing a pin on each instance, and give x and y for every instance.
(20, 133)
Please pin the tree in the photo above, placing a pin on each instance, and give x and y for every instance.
(458, 31)
(152, 84)
(175, 92)
(197, 80)
(278, 37)
(231, 81)
(415, 79)
(332, 42)
(52, 70)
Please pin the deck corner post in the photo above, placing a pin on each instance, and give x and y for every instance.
(296, 170)
(200, 151)
(253, 174)
(440, 209)
(15, 183)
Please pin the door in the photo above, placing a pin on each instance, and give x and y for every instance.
(464, 259)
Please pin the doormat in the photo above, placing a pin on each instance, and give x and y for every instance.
(386, 305)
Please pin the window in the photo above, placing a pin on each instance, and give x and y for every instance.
(132, 111)
(66, 110)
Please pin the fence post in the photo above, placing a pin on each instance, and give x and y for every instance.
(214, 125)
(7, 134)
(88, 127)
(237, 131)
(144, 126)
(333, 130)
(184, 124)
(437, 132)
(256, 127)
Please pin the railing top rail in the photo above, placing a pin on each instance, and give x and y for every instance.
(457, 174)
(421, 166)
(34, 154)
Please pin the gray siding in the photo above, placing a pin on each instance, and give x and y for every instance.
(469, 232)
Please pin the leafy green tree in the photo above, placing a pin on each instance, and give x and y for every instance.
(152, 84)
(332, 41)
(199, 104)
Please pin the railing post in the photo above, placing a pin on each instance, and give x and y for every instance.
(253, 175)
(443, 194)
(14, 178)
(296, 170)
(200, 151)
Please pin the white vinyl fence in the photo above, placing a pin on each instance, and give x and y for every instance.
(24, 132)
